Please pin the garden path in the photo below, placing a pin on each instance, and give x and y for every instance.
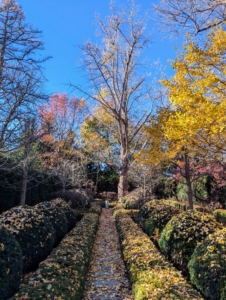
(107, 277)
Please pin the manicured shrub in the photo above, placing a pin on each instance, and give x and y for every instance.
(62, 275)
(160, 216)
(32, 230)
(95, 208)
(220, 215)
(134, 199)
(152, 277)
(69, 213)
(146, 210)
(131, 212)
(132, 202)
(183, 233)
(207, 267)
(57, 218)
(11, 264)
(76, 198)
(178, 204)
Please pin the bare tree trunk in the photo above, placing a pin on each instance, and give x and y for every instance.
(188, 181)
(24, 186)
(64, 190)
(123, 174)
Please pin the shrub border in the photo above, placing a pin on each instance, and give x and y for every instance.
(63, 273)
(151, 275)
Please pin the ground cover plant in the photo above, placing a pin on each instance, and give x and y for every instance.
(70, 214)
(57, 218)
(32, 230)
(62, 274)
(208, 264)
(151, 275)
(183, 233)
(11, 264)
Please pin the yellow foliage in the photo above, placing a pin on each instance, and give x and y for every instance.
(196, 120)
(197, 92)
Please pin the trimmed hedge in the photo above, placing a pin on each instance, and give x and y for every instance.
(207, 267)
(57, 218)
(151, 275)
(183, 206)
(131, 202)
(11, 264)
(160, 216)
(69, 213)
(63, 274)
(180, 205)
(76, 198)
(32, 230)
(95, 208)
(220, 215)
(133, 213)
(146, 210)
(134, 199)
(183, 233)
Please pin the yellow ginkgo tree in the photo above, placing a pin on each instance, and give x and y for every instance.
(198, 96)
(194, 127)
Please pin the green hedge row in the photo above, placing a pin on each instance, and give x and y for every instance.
(151, 275)
(56, 216)
(69, 213)
(32, 230)
(11, 264)
(96, 208)
(207, 266)
(183, 233)
(133, 213)
(195, 242)
(62, 275)
(183, 206)
(27, 236)
(220, 215)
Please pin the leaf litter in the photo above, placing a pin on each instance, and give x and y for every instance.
(107, 278)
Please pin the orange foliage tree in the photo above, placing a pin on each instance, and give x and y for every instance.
(59, 121)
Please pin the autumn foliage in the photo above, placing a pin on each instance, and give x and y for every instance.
(59, 121)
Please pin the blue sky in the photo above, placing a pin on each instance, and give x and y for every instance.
(69, 24)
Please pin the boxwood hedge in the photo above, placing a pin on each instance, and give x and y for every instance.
(151, 275)
(220, 215)
(32, 230)
(183, 233)
(146, 211)
(11, 264)
(57, 218)
(62, 275)
(207, 267)
(160, 216)
(69, 213)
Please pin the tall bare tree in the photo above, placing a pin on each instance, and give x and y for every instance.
(117, 79)
(20, 70)
(195, 16)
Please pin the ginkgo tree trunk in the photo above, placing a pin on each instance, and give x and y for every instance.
(117, 81)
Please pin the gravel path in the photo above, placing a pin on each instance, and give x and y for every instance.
(107, 277)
